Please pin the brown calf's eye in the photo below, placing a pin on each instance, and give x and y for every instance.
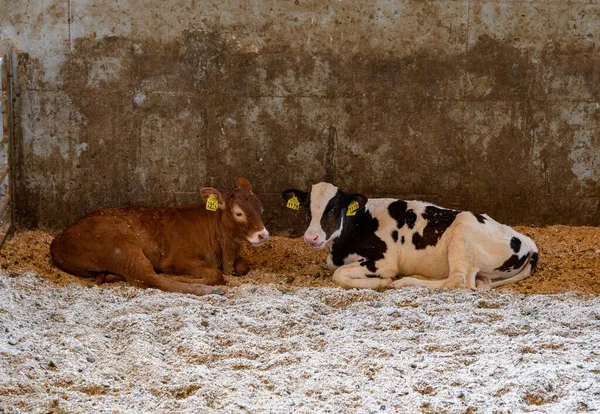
(239, 214)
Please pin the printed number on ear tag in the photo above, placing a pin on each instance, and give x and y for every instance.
(352, 208)
(293, 203)
(212, 203)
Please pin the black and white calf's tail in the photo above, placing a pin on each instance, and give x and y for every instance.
(533, 261)
(528, 268)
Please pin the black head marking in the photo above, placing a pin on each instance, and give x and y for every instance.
(395, 236)
(515, 244)
(438, 221)
(332, 215)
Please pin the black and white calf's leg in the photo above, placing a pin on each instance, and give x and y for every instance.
(461, 272)
(354, 275)
(462, 277)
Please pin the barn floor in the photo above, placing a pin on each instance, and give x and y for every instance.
(283, 339)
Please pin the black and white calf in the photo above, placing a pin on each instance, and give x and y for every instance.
(386, 239)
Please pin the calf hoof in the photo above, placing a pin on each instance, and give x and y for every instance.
(213, 277)
(218, 279)
(202, 290)
(398, 284)
(483, 282)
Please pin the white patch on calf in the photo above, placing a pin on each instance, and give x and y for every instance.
(238, 214)
(338, 232)
(320, 195)
(259, 237)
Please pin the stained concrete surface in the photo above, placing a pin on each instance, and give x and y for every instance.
(491, 106)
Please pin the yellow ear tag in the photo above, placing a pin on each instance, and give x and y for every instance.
(352, 208)
(293, 203)
(212, 203)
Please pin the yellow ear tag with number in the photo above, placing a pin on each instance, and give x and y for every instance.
(352, 208)
(293, 203)
(212, 203)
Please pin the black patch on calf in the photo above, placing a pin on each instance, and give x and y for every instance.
(480, 218)
(398, 211)
(332, 215)
(534, 261)
(515, 244)
(411, 219)
(402, 240)
(358, 236)
(513, 263)
(369, 264)
(438, 221)
(395, 236)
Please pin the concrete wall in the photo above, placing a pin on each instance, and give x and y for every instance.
(492, 106)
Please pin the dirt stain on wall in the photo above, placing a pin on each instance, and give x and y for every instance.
(153, 121)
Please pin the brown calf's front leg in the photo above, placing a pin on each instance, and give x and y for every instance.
(197, 271)
(135, 267)
(241, 266)
(230, 255)
(109, 278)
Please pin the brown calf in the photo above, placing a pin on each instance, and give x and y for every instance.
(136, 242)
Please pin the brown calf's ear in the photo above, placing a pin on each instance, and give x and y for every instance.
(242, 182)
(209, 191)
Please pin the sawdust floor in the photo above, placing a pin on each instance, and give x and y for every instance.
(283, 341)
(569, 261)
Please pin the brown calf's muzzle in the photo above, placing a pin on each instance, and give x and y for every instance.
(245, 210)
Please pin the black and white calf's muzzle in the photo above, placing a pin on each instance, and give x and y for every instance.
(315, 239)
(325, 223)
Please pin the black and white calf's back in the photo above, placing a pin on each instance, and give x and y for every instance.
(378, 241)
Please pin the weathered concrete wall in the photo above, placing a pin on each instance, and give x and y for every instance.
(492, 106)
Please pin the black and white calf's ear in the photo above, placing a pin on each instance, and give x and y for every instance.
(300, 196)
(354, 203)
